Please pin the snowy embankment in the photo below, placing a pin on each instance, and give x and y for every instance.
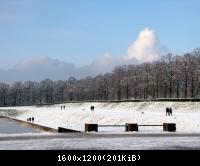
(186, 115)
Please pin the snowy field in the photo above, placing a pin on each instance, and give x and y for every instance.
(186, 115)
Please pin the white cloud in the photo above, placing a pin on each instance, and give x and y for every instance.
(144, 48)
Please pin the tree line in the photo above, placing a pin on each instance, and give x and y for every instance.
(173, 76)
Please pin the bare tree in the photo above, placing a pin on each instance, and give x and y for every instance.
(3, 93)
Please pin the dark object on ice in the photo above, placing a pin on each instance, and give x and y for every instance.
(91, 127)
(131, 127)
(92, 108)
(64, 107)
(32, 119)
(169, 127)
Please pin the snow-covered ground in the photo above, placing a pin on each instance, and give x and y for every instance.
(186, 115)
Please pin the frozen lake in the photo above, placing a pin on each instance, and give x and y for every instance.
(11, 127)
(93, 141)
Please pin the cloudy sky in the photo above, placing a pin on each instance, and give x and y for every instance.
(57, 39)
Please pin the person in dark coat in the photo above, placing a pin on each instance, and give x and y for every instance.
(167, 111)
(92, 108)
(170, 111)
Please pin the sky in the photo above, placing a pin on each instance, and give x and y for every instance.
(89, 33)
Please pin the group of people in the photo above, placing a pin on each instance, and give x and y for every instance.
(168, 111)
(30, 119)
(62, 107)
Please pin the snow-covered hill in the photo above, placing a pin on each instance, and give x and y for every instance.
(186, 115)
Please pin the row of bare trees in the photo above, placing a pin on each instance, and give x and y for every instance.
(171, 77)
